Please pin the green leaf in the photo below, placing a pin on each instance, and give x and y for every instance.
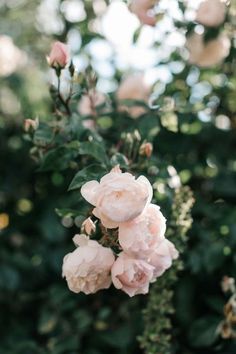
(203, 332)
(43, 135)
(95, 150)
(119, 338)
(58, 159)
(105, 122)
(86, 174)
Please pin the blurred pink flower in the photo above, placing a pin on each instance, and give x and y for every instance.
(87, 268)
(133, 87)
(210, 53)
(89, 102)
(131, 275)
(143, 9)
(211, 13)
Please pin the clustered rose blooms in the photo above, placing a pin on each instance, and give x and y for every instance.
(59, 55)
(211, 13)
(143, 9)
(205, 54)
(122, 202)
(133, 87)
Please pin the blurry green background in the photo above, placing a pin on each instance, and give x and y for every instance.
(38, 314)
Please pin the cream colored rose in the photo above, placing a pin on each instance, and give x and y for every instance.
(90, 102)
(211, 13)
(161, 259)
(118, 197)
(87, 269)
(133, 87)
(207, 54)
(141, 236)
(143, 9)
(131, 275)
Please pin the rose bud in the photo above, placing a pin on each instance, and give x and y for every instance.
(146, 149)
(31, 124)
(88, 226)
(59, 55)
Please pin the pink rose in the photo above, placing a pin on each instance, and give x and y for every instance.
(131, 275)
(59, 55)
(90, 102)
(87, 269)
(118, 197)
(143, 9)
(211, 13)
(210, 53)
(140, 236)
(161, 259)
(133, 87)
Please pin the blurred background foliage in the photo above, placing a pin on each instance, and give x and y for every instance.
(38, 313)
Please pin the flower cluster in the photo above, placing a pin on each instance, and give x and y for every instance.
(123, 202)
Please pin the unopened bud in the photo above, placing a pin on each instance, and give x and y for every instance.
(88, 226)
(59, 55)
(146, 149)
(31, 124)
(228, 284)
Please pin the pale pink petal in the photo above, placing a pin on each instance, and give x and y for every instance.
(89, 191)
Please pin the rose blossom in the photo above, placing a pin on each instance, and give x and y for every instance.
(209, 53)
(118, 197)
(89, 102)
(131, 275)
(87, 268)
(161, 258)
(59, 55)
(143, 9)
(133, 87)
(140, 236)
(211, 13)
